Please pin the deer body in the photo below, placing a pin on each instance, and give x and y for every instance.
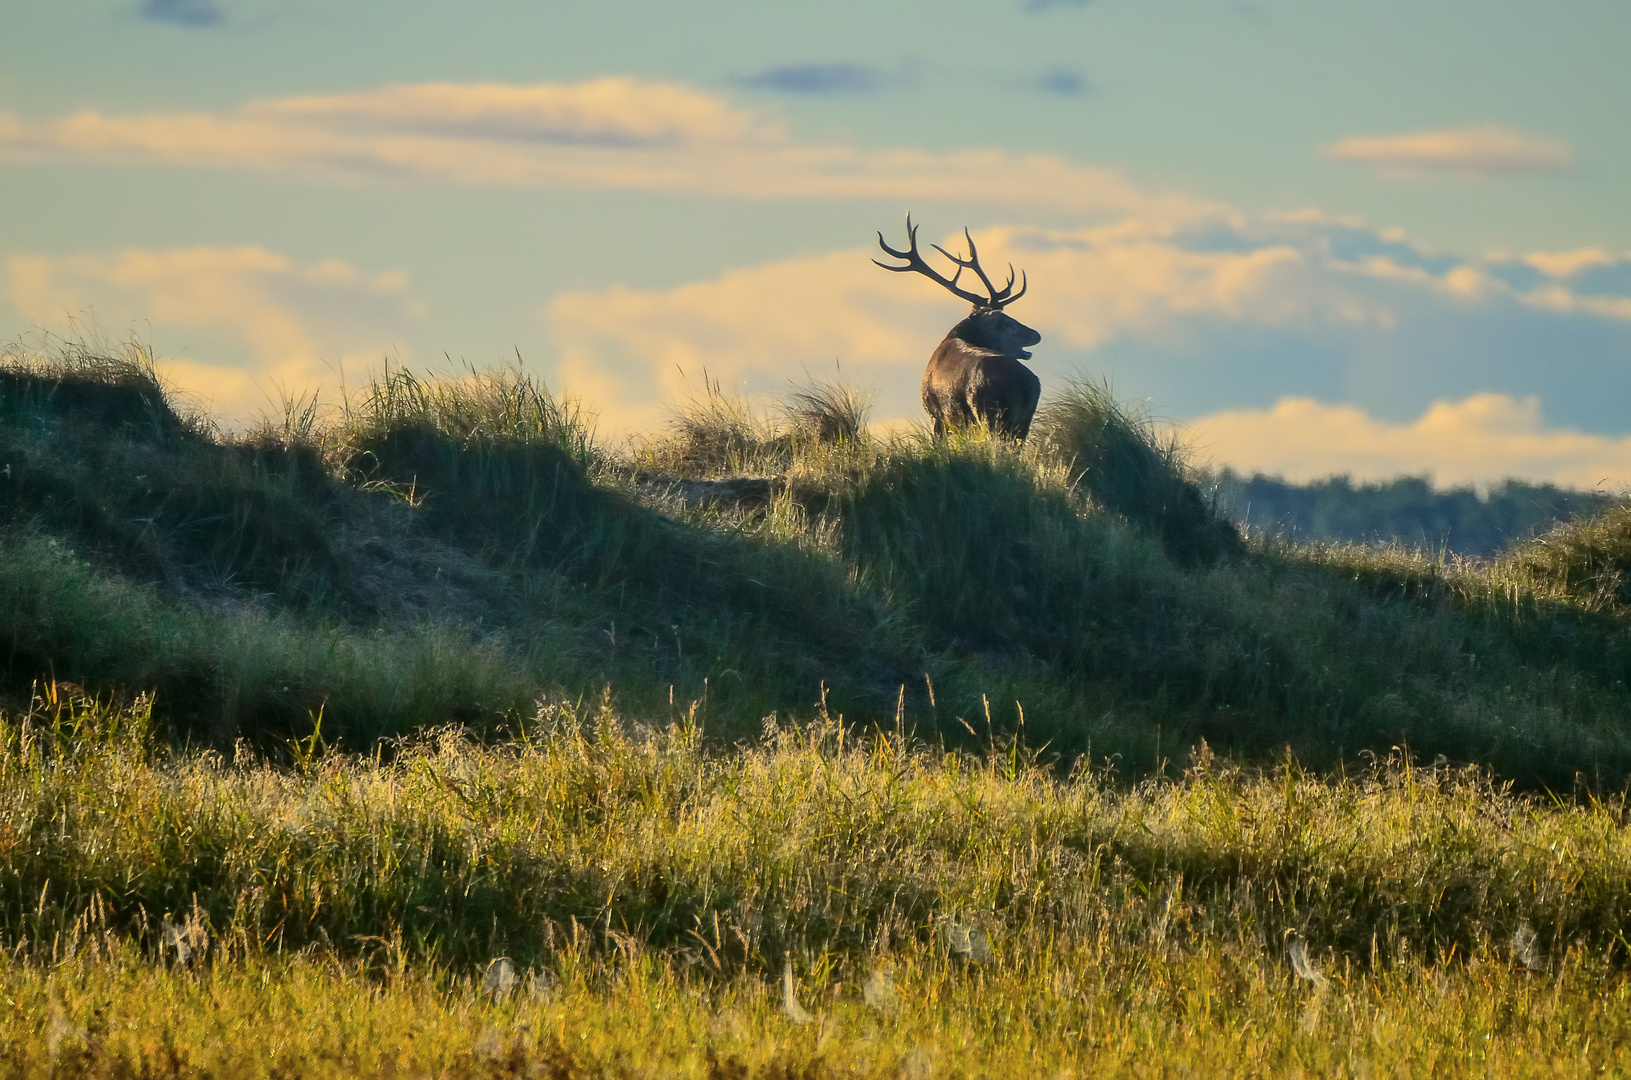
(975, 376)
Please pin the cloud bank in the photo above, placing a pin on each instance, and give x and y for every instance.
(1219, 320)
(263, 320)
(612, 133)
(1253, 328)
(1472, 442)
(1483, 150)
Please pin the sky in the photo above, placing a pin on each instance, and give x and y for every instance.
(1318, 236)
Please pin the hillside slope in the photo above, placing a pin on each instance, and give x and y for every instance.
(452, 550)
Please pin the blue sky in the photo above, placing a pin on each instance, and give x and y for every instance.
(1324, 237)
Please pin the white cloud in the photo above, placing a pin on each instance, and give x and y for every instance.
(605, 112)
(254, 319)
(612, 133)
(1484, 438)
(1482, 150)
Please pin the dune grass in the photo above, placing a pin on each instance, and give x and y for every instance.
(601, 897)
(451, 549)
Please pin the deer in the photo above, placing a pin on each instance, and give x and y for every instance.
(975, 376)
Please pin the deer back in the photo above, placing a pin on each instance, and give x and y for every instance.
(975, 376)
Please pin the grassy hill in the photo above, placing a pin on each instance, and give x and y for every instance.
(456, 549)
(429, 737)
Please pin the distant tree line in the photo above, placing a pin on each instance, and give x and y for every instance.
(1407, 510)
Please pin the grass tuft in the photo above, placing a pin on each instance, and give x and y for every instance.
(75, 385)
(711, 434)
(828, 413)
(1121, 462)
(1586, 561)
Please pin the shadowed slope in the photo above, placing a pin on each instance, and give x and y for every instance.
(450, 549)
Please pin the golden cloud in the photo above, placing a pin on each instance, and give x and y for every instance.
(267, 321)
(1484, 438)
(631, 352)
(1562, 264)
(1482, 150)
(1092, 285)
(612, 111)
(606, 133)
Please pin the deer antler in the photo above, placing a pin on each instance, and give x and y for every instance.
(915, 262)
(997, 298)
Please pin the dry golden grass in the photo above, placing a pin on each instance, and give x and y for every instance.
(940, 913)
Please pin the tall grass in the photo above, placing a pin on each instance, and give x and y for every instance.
(809, 839)
(117, 388)
(717, 433)
(1585, 563)
(943, 912)
(903, 756)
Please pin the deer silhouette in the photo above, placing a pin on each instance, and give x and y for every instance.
(975, 375)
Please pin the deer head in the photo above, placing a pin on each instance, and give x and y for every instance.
(987, 326)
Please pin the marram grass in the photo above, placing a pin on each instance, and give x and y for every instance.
(452, 549)
(602, 898)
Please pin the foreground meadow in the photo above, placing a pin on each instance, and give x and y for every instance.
(596, 897)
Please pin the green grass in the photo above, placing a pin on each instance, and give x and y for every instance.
(340, 916)
(451, 549)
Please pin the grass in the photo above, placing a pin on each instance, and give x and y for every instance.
(183, 914)
(452, 549)
(427, 734)
(1206, 1013)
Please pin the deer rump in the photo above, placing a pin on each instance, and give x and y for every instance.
(969, 382)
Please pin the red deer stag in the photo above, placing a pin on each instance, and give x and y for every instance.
(975, 375)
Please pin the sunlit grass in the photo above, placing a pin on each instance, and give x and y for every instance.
(930, 911)
(1209, 1011)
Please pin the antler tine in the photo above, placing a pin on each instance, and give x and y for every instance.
(1006, 294)
(911, 236)
(1024, 284)
(915, 263)
(1003, 299)
(1008, 288)
(998, 297)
